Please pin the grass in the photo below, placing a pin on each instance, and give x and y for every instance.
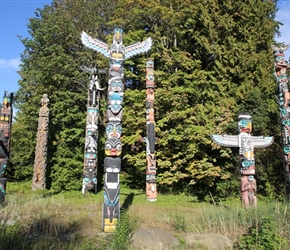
(71, 220)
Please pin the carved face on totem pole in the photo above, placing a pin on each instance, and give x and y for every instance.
(117, 48)
(116, 84)
(92, 129)
(150, 74)
(3, 165)
(113, 147)
(116, 68)
(91, 148)
(149, 98)
(244, 123)
(114, 112)
(6, 99)
(117, 52)
(115, 98)
(248, 166)
(114, 129)
(280, 59)
(118, 36)
(93, 111)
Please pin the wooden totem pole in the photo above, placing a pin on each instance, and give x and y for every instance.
(117, 53)
(91, 142)
(283, 94)
(6, 113)
(40, 160)
(246, 144)
(149, 139)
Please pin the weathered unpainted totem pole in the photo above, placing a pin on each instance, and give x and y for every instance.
(281, 67)
(149, 139)
(40, 160)
(6, 113)
(91, 142)
(246, 144)
(117, 53)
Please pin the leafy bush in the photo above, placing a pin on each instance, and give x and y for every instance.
(123, 233)
(262, 235)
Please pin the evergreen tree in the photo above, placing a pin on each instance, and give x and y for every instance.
(212, 61)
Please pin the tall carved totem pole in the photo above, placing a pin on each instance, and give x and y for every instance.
(6, 113)
(246, 144)
(40, 160)
(117, 53)
(283, 94)
(91, 143)
(149, 139)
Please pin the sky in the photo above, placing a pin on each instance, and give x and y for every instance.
(14, 17)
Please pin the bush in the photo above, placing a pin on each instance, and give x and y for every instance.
(262, 235)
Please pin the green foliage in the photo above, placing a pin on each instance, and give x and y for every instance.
(212, 60)
(125, 228)
(11, 238)
(179, 223)
(71, 220)
(263, 234)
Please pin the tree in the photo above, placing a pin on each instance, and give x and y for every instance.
(212, 61)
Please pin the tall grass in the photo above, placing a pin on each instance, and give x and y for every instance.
(71, 220)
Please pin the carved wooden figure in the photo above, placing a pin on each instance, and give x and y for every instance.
(283, 97)
(40, 160)
(150, 139)
(6, 113)
(117, 53)
(91, 142)
(246, 144)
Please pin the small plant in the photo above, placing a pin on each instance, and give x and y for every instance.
(123, 233)
(179, 223)
(262, 235)
(11, 238)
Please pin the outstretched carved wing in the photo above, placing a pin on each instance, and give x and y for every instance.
(280, 48)
(138, 48)
(95, 44)
(226, 140)
(262, 141)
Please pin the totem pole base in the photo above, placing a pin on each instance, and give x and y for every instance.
(110, 226)
(3, 182)
(287, 191)
(37, 186)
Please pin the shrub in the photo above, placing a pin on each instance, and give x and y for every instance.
(262, 235)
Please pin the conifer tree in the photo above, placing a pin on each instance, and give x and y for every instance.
(212, 60)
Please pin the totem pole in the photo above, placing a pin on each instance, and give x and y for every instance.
(39, 178)
(246, 144)
(283, 100)
(117, 53)
(6, 113)
(91, 142)
(150, 139)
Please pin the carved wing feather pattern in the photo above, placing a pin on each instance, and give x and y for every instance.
(262, 141)
(281, 48)
(226, 140)
(95, 44)
(138, 48)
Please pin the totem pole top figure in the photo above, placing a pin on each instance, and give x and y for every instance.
(44, 100)
(279, 54)
(244, 123)
(246, 144)
(7, 102)
(117, 51)
(244, 137)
